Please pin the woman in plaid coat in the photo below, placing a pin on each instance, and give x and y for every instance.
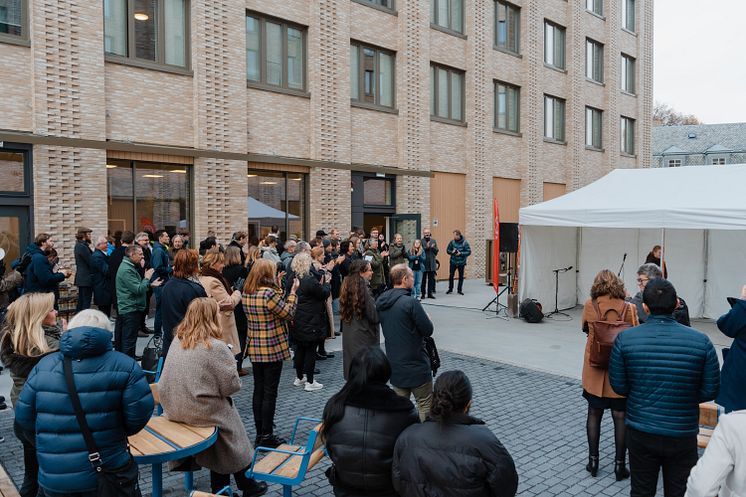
(268, 316)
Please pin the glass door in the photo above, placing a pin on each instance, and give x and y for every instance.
(408, 225)
(14, 232)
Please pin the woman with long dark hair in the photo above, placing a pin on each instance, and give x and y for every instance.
(236, 273)
(452, 453)
(361, 423)
(358, 314)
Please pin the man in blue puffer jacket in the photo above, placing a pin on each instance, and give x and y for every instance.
(114, 395)
(666, 370)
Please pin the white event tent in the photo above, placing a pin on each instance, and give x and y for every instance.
(698, 213)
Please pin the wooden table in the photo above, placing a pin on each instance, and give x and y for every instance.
(163, 440)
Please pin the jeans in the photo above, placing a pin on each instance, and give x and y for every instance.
(649, 453)
(305, 360)
(266, 380)
(335, 306)
(85, 295)
(30, 487)
(417, 282)
(125, 332)
(157, 321)
(451, 274)
(428, 282)
(423, 395)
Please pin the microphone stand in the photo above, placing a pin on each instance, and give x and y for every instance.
(624, 259)
(556, 310)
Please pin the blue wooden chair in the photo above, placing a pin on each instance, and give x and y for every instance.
(288, 464)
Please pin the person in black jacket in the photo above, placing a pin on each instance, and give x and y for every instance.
(236, 273)
(310, 320)
(83, 269)
(40, 276)
(103, 290)
(452, 453)
(178, 293)
(360, 426)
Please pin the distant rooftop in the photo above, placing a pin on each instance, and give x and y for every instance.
(699, 138)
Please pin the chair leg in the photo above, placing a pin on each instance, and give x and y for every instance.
(287, 491)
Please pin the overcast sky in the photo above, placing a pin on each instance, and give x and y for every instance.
(700, 58)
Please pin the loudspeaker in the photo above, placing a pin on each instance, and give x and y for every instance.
(509, 237)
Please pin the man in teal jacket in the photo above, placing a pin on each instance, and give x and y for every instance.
(132, 290)
(459, 250)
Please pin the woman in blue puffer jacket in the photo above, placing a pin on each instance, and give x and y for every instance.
(115, 397)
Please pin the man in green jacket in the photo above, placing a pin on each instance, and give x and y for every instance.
(132, 290)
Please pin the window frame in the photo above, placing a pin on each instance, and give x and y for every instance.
(160, 62)
(517, 36)
(591, 70)
(628, 65)
(360, 46)
(561, 104)
(262, 83)
(595, 7)
(286, 178)
(434, 4)
(669, 162)
(718, 161)
(373, 4)
(23, 39)
(436, 92)
(594, 128)
(626, 13)
(495, 124)
(556, 28)
(628, 143)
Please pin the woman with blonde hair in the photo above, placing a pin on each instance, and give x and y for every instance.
(29, 333)
(267, 347)
(219, 288)
(606, 304)
(253, 254)
(196, 387)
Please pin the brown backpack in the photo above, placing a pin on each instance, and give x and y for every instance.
(604, 334)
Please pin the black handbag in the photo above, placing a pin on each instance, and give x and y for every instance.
(432, 353)
(150, 356)
(112, 482)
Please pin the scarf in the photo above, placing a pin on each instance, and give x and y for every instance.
(208, 271)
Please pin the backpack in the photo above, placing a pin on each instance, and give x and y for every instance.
(530, 310)
(22, 263)
(604, 334)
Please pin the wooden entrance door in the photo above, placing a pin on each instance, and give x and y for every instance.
(447, 213)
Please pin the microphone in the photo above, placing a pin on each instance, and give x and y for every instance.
(625, 257)
(568, 268)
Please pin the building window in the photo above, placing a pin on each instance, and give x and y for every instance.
(378, 192)
(387, 4)
(718, 161)
(595, 6)
(627, 129)
(594, 60)
(16, 199)
(448, 14)
(148, 196)
(277, 199)
(674, 162)
(628, 74)
(446, 93)
(13, 15)
(372, 75)
(628, 15)
(507, 107)
(554, 45)
(507, 26)
(275, 53)
(147, 30)
(554, 118)
(593, 128)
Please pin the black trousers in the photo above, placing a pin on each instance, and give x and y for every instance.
(125, 332)
(30, 487)
(218, 481)
(106, 309)
(85, 295)
(266, 380)
(649, 453)
(452, 273)
(428, 282)
(305, 360)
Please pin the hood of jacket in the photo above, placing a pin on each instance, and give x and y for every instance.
(85, 341)
(34, 249)
(388, 299)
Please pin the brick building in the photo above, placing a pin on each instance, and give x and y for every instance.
(218, 115)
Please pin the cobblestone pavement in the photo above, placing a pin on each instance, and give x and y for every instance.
(539, 417)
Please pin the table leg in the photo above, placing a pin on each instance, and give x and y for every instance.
(157, 473)
(188, 481)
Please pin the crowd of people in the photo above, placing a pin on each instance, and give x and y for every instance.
(271, 301)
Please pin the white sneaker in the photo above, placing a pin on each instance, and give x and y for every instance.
(312, 387)
(299, 382)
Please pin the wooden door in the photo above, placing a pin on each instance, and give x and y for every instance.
(508, 194)
(447, 213)
(554, 190)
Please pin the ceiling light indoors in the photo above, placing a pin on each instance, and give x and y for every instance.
(181, 171)
(141, 16)
(251, 175)
(295, 179)
(110, 166)
(152, 175)
(268, 183)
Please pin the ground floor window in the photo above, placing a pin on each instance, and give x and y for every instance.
(148, 196)
(16, 200)
(277, 201)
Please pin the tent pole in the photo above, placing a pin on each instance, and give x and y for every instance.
(663, 251)
(579, 243)
(704, 280)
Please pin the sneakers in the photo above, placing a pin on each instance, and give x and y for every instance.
(312, 387)
(299, 382)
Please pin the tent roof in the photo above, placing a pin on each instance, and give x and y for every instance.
(695, 197)
(260, 210)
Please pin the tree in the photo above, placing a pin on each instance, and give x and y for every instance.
(664, 115)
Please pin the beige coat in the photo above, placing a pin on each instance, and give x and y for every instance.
(227, 319)
(196, 388)
(596, 380)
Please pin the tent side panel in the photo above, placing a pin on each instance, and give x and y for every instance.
(726, 270)
(544, 249)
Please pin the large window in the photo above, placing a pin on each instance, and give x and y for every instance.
(371, 75)
(448, 14)
(554, 45)
(507, 26)
(594, 60)
(628, 74)
(446, 93)
(16, 199)
(275, 53)
(147, 30)
(593, 128)
(13, 19)
(276, 199)
(628, 15)
(148, 196)
(595, 6)
(627, 128)
(554, 118)
(507, 107)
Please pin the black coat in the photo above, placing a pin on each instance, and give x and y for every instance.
(461, 458)
(361, 445)
(83, 264)
(103, 291)
(311, 322)
(177, 294)
(234, 274)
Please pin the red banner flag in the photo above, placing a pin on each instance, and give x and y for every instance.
(496, 246)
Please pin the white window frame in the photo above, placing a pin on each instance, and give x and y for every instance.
(628, 74)
(629, 15)
(595, 6)
(554, 118)
(627, 135)
(554, 45)
(594, 60)
(594, 128)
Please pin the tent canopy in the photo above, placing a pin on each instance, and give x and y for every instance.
(260, 210)
(693, 197)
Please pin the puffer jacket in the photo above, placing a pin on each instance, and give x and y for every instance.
(460, 458)
(732, 386)
(464, 251)
(311, 322)
(38, 275)
(115, 397)
(665, 370)
(361, 444)
(20, 366)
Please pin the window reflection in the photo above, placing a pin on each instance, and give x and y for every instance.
(276, 199)
(11, 172)
(145, 29)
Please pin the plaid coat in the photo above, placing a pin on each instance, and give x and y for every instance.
(268, 317)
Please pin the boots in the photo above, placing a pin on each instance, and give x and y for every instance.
(592, 466)
(620, 470)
